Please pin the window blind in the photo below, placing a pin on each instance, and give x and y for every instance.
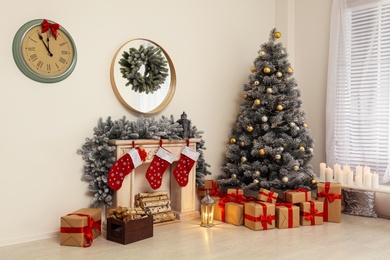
(362, 100)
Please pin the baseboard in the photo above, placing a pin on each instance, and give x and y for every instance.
(19, 240)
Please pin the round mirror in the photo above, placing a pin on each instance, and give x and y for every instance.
(143, 76)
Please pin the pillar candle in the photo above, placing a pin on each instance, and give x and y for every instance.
(350, 178)
(359, 170)
(322, 171)
(328, 174)
(375, 180)
(340, 176)
(358, 180)
(367, 179)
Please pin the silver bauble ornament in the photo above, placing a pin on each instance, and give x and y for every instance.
(285, 179)
(264, 119)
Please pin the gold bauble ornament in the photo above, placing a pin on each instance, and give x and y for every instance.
(252, 68)
(301, 148)
(233, 140)
(257, 174)
(304, 125)
(257, 102)
(277, 35)
(267, 70)
(285, 179)
(278, 156)
(279, 107)
(234, 176)
(296, 168)
(249, 128)
(242, 143)
(261, 151)
(255, 181)
(261, 53)
(243, 159)
(313, 181)
(289, 70)
(279, 74)
(269, 90)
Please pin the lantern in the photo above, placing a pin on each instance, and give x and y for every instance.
(207, 210)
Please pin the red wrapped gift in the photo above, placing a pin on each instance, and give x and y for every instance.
(80, 227)
(259, 215)
(297, 196)
(312, 213)
(267, 196)
(235, 192)
(287, 215)
(330, 194)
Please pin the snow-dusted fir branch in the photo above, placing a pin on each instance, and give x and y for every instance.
(97, 153)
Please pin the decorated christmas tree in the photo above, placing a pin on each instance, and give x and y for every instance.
(270, 145)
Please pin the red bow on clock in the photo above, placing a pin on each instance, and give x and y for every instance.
(46, 26)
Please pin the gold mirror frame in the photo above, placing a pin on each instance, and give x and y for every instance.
(131, 99)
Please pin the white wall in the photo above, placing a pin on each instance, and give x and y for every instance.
(212, 45)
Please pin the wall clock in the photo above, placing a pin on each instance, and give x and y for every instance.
(44, 51)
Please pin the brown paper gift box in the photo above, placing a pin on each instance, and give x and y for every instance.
(330, 194)
(235, 191)
(211, 185)
(287, 215)
(311, 213)
(267, 196)
(259, 215)
(76, 230)
(297, 196)
(234, 212)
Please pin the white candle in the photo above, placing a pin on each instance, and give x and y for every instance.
(346, 168)
(367, 180)
(359, 170)
(328, 174)
(350, 178)
(375, 180)
(336, 171)
(322, 171)
(358, 180)
(340, 176)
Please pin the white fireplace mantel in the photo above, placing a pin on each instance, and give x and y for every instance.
(182, 198)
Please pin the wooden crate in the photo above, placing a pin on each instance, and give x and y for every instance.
(129, 232)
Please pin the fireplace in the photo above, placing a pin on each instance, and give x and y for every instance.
(183, 199)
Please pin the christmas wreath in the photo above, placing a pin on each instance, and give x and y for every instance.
(97, 152)
(154, 64)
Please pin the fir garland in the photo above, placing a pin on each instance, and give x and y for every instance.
(155, 68)
(97, 153)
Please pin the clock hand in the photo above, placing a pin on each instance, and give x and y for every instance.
(47, 48)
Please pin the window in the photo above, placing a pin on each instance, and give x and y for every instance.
(358, 98)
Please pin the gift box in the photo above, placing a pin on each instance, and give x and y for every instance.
(267, 196)
(235, 191)
(130, 231)
(330, 194)
(311, 213)
(211, 185)
(229, 212)
(81, 227)
(287, 215)
(297, 196)
(259, 215)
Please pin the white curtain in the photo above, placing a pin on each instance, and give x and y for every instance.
(358, 91)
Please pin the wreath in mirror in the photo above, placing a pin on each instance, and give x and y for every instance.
(145, 69)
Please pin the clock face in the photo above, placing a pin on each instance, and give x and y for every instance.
(41, 56)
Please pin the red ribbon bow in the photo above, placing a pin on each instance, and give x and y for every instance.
(270, 196)
(87, 230)
(312, 213)
(264, 219)
(328, 197)
(46, 26)
(290, 212)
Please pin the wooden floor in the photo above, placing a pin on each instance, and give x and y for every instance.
(354, 238)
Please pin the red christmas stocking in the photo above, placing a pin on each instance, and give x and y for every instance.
(124, 166)
(187, 159)
(161, 161)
